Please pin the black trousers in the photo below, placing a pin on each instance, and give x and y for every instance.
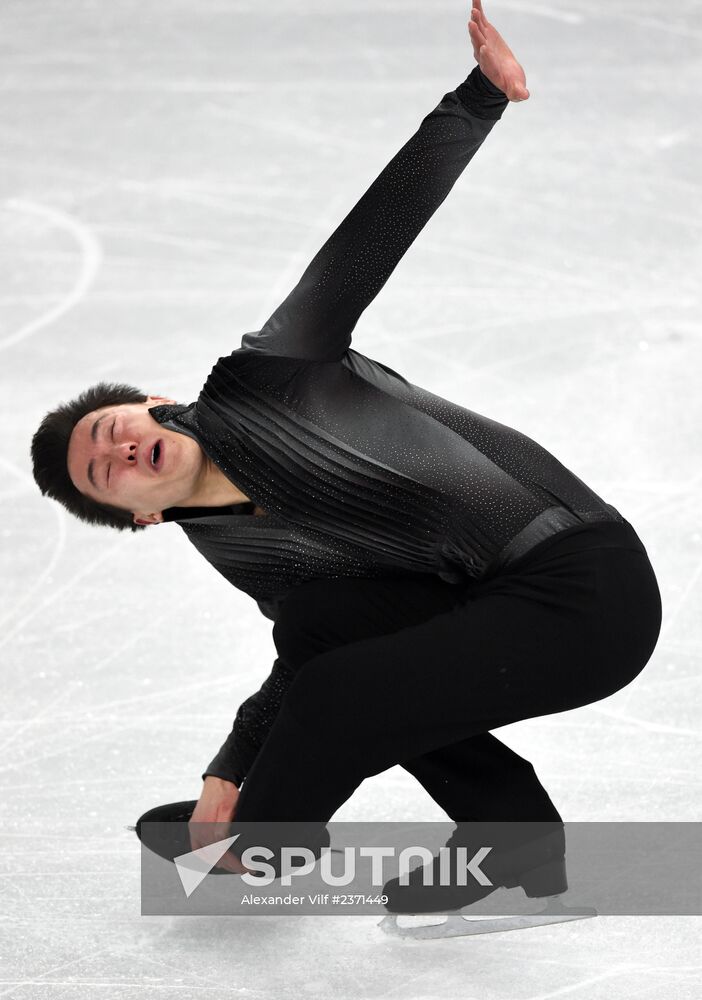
(417, 672)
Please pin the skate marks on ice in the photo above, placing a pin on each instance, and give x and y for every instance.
(90, 262)
(25, 484)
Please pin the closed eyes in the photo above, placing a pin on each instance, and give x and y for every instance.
(109, 465)
(112, 435)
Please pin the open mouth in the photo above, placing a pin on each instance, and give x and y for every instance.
(157, 456)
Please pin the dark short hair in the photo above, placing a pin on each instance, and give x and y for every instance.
(50, 454)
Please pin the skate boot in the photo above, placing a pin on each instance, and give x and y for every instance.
(530, 855)
(170, 839)
(526, 855)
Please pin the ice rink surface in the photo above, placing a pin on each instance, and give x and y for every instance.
(167, 171)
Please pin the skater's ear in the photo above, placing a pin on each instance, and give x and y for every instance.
(146, 519)
(157, 400)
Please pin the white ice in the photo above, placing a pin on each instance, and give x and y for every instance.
(166, 172)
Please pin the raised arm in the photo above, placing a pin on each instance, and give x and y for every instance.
(317, 318)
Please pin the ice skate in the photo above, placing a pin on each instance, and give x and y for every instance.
(167, 835)
(536, 864)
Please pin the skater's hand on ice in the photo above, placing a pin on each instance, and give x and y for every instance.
(211, 818)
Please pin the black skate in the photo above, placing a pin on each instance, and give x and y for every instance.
(530, 856)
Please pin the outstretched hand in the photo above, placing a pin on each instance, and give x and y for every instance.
(494, 56)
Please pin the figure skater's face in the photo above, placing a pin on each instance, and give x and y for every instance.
(121, 456)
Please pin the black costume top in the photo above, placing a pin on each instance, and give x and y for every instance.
(362, 473)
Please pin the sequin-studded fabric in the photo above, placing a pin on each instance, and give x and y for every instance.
(362, 473)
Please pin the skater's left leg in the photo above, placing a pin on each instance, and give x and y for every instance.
(482, 779)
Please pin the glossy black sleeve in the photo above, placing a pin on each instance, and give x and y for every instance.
(252, 723)
(317, 318)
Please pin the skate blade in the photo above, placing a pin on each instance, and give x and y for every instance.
(461, 925)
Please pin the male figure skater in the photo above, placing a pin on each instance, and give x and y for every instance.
(432, 574)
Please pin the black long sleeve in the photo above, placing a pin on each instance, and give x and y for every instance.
(253, 720)
(315, 321)
(317, 318)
